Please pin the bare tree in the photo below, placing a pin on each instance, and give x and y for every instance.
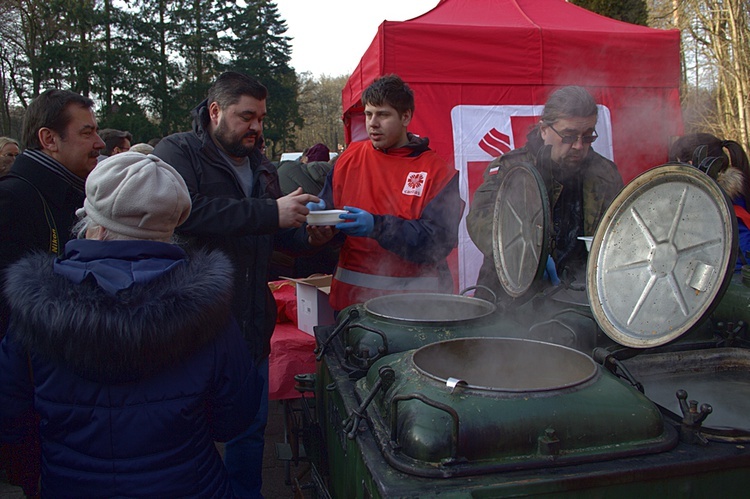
(320, 107)
(716, 63)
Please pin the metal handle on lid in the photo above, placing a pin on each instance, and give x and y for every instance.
(437, 405)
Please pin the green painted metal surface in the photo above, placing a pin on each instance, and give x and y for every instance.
(370, 336)
(356, 468)
(599, 418)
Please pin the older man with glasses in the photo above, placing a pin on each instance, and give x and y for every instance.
(580, 183)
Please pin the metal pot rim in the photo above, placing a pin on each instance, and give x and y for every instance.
(371, 307)
(452, 383)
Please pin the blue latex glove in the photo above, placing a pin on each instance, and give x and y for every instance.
(319, 206)
(358, 222)
(550, 272)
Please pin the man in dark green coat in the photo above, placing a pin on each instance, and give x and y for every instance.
(580, 183)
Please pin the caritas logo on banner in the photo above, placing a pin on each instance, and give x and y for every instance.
(481, 134)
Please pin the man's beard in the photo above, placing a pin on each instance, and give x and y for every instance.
(233, 146)
(566, 169)
(569, 168)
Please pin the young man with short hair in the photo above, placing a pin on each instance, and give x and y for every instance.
(402, 200)
(115, 142)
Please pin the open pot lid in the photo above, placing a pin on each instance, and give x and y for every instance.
(520, 228)
(662, 256)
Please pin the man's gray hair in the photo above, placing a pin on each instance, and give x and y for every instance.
(569, 102)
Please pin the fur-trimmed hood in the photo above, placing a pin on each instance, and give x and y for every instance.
(732, 180)
(123, 337)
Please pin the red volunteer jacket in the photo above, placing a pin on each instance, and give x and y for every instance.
(414, 200)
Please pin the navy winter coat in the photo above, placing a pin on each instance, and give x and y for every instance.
(135, 367)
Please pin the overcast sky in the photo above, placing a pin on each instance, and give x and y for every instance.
(330, 36)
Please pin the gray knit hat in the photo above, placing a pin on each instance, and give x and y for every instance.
(136, 195)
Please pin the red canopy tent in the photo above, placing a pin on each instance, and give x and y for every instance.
(481, 71)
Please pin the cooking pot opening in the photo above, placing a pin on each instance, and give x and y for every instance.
(505, 364)
(429, 308)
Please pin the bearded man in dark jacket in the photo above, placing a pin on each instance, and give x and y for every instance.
(580, 183)
(238, 208)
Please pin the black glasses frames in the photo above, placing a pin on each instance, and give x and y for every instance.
(572, 139)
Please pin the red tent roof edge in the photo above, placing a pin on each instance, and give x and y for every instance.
(551, 34)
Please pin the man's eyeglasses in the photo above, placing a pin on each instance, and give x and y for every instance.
(572, 139)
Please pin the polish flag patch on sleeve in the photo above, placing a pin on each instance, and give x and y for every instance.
(414, 183)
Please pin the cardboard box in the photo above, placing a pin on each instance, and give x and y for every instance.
(313, 308)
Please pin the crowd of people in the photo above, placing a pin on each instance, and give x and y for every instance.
(136, 315)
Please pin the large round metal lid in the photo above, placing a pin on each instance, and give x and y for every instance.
(662, 256)
(520, 226)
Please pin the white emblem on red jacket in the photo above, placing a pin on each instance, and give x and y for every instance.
(414, 183)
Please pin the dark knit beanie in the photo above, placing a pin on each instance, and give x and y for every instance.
(318, 152)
